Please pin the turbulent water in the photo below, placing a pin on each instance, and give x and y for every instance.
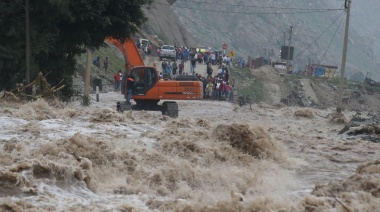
(215, 157)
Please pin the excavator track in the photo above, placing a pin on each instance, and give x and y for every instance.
(122, 106)
(170, 109)
(167, 108)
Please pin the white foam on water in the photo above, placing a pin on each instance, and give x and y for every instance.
(143, 160)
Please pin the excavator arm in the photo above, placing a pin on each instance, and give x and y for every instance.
(129, 50)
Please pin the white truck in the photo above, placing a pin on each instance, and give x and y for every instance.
(168, 52)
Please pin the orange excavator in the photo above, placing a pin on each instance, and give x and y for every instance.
(149, 89)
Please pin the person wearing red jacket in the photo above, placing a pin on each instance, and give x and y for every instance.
(228, 88)
(117, 80)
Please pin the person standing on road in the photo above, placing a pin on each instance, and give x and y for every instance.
(181, 68)
(220, 72)
(174, 68)
(179, 53)
(163, 66)
(192, 65)
(216, 90)
(231, 94)
(209, 71)
(169, 70)
(204, 82)
(200, 57)
(212, 58)
(117, 80)
(221, 87)
(105, 65)
(205, 57)
(226, 75)
(228, 89)
(211, 90)
(96, 62)
(185, 54)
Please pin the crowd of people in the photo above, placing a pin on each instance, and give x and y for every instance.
(216, 85)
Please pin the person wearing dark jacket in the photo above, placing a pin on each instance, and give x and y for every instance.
(129, 87)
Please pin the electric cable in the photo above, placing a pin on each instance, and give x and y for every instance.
(320, 35)
(249, 13)
(254, 6)
(331, 40)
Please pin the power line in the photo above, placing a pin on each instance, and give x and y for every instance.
(320, 35)
(331, 40)
(312, 54)
(263, 7)
(282, 20)
(248, 13)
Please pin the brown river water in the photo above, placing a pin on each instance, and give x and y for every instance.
(216, 156)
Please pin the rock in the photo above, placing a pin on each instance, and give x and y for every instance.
(363, 125)
(155, 38)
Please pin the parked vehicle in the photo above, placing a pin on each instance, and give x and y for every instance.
(145, 42)
(168, 52)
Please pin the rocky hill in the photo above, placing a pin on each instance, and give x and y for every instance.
(270, 86)
(164, 23)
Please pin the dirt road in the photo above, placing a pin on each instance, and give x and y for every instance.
(199, 68)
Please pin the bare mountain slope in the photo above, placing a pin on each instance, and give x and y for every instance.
(256, 27)
(163, 22)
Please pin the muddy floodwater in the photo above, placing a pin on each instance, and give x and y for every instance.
(216, 156)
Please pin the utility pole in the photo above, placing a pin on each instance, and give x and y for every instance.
(290, 42)
(250, 62)
(28, 51)
(265, 53)
(86, 96)
(344, 57)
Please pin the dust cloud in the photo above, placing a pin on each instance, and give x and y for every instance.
(214, 157)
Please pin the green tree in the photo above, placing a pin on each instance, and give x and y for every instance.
(60, 30)
(11, 43)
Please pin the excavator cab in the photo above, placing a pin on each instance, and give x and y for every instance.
(146, 93)
(145, 79)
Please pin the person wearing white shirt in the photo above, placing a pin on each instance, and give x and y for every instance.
(212, 58)
(220, 71)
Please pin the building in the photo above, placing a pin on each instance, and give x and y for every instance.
(322, 70)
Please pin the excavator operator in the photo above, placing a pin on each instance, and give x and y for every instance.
(130, 84)
(123, 87)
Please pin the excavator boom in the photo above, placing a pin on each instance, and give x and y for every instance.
(129, 50)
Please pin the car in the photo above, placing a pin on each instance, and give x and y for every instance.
(168, 52)
(145, 42)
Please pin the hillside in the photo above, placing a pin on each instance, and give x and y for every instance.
(256, 28)
(267, 85)
(163, 22)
